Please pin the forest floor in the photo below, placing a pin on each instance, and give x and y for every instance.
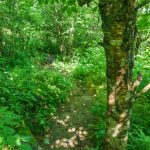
(69, 127)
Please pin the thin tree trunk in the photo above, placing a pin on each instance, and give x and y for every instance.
(119, 28)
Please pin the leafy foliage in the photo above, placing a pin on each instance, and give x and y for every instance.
(14, 133)
(138, 139)
(25, 87)
(91, 62)
(31, 89)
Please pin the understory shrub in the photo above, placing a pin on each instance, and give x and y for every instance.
(138, 139)
(14, 134)
(99, 109)
(91, 67)
(140, 121)
(33, 93)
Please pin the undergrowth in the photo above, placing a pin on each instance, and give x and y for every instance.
(30, 94)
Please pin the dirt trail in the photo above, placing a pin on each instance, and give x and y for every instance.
(69, 129)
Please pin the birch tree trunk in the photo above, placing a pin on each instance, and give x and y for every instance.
(119, 28)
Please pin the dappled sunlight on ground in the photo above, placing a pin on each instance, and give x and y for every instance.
(71, 134)
(78, 136)
(69, 126)
(62, 122)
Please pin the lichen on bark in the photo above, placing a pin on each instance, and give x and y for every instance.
(118, 24)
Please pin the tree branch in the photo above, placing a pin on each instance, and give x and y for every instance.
(142, 4)
(136, 83)
(144, 90)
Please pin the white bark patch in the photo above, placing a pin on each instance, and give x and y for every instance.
(126, 138)
(117, 130)
(111, 100)
(119, 80)
(123, 115)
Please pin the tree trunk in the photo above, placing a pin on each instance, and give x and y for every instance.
(119, 28)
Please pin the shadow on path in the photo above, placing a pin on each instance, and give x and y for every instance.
(69, 128)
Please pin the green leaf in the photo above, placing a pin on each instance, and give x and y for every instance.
(63, 1)
(72, 2)
(46, 141)
(1, 139)
(8, 130)
(95, 9)
(25, 146)
(18, 142)
(74, 9)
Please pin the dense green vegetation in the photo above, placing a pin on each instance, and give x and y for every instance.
(47, 50)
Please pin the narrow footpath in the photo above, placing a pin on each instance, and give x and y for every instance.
(70, 125)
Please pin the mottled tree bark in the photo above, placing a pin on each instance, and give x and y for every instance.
(119, 27)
